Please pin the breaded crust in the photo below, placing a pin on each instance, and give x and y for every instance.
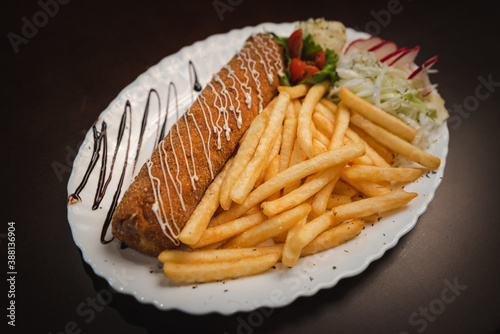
(134, 221)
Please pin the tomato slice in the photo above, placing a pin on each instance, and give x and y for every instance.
(310, 70)
(318, 58)
(297, 68)
(295, 44)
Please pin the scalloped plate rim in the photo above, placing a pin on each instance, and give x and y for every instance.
(300, 293)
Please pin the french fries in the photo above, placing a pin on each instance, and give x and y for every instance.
(307, 176)
(189, 273)
(329, 104)
(336, 200)
(321, 198)
(296, 172)
(299, 195)
(295, 91)
(225, 231)
(341, 124)
(334, 237)
(323, 124)
(383, 151)
(368, 188)
(243, 157)
(200, 218)
(287, 142)
(361, 208)
(380, 174)
(395, 143)
(251, 173)
(216, 255)
(326, 112)
(304, 126)
(377, 115)
(269, 228)
(371, 154)
(340, 128)
(298, 156)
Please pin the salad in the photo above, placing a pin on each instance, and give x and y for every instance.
(374, 69)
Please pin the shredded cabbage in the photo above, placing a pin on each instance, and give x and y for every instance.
(388, 88)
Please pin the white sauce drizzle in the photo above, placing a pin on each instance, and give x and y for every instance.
(222, 112)
(165, 166)
(267, 63)
(234, 79)
(275, 55)
(217, 129)
(247, 89)
(206, 143)
(179, 191)
(192, 176)
(159, 209)
(255, 75)
(223, 102)
(236, 111)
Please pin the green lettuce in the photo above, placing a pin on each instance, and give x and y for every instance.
(329, 70)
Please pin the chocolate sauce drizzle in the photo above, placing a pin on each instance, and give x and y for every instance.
(144, 123)
(74, 198)
(192, 73)
(171, 87)
(116, 196)
(100, 140)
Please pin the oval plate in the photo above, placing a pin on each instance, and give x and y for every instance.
(142, 276)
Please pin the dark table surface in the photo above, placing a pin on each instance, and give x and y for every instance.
(57, 78)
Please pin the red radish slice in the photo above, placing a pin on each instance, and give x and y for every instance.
(425, 66)
(376, 46)
(390, 57)
(421, 73)
(407, 58)
(362, 44)
(383, 49)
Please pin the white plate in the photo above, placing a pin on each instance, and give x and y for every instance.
(141, 276)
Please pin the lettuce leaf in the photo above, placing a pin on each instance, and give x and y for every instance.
(283, 42)
(329, 70)
(309, 47)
